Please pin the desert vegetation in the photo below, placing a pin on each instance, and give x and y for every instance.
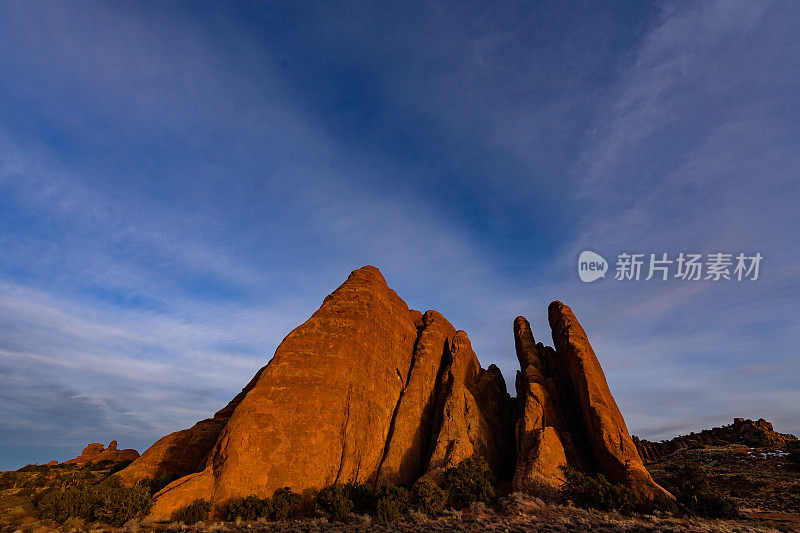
(71, 495)
(470, 481)
(708, 483)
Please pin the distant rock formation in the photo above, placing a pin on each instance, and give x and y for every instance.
(96, 452)
(743, 431)
(368, 390)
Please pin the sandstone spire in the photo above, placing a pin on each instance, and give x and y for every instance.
(540, 448)
(610, 444)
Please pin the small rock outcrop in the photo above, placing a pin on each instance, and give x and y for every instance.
(96, 452)
(368, 390)
(751, 433)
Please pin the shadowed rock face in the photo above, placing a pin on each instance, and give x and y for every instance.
(96, 452)
(473, 412)
(368, 390)
(407, 448)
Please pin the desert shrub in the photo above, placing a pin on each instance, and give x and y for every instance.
(197, 511)
(117, 504)
(108, 502)
(715, 506)
(156, 484)
(689, 484)
(9, 480)
(285, 504)
(363, 497)
(60, 504)
(34, 468)
(512, 504)
(476, 509)
(75, 524)
(659, 504)
(387, 511)
(427, 497)
(334, 502)
(596, 492)
(71, 478)
(469, 481)
(392, 503)
(16, 515)
(249, 508)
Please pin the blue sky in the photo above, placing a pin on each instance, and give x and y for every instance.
(182, 184)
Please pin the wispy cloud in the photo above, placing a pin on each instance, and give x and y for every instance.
(178, 190)
(690, 155)
(137, 315)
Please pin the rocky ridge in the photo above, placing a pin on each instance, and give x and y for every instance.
(751, 433)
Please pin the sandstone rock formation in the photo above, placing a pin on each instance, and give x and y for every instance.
(542, 442)
(610, 445)
(473, 413)
(742, 431)
(368, 390)
(365, 390)
(413, 423)
(96, 452)
(568, 417)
